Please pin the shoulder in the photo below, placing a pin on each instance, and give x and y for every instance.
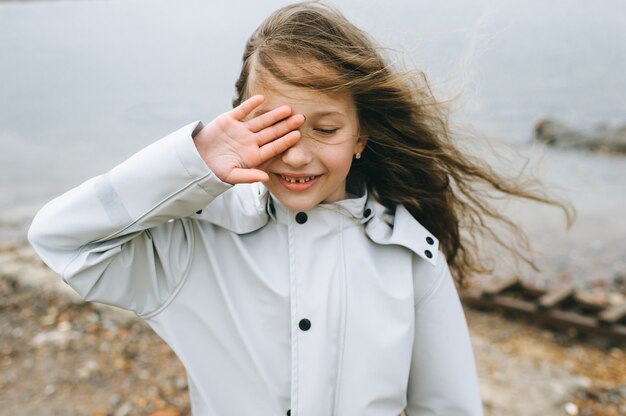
(398, 227)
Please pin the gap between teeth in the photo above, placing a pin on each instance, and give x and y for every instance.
(294, 180)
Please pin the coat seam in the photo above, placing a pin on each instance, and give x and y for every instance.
(176, 290)
(343, 321)
(158, 204)
(167, 301)
(433, 289)
(294, 317)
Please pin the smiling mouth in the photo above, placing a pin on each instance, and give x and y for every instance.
(298, 180)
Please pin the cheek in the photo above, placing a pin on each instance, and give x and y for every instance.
(340, 162)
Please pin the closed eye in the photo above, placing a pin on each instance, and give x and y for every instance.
(326, 131)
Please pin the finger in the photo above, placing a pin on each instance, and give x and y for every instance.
(245, 108)
(239, 175)
(280, 129)
(269, 118)
(278, 146)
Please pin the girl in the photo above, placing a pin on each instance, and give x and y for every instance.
(289, 250)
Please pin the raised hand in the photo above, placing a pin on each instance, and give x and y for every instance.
(233, 146)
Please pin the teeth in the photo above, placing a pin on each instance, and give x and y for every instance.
(294, 180)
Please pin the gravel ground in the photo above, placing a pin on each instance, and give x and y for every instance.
(62, 356)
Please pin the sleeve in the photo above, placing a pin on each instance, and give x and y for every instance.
(443, 378)
(124, 238)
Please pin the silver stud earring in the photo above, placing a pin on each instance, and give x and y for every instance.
(357, 155)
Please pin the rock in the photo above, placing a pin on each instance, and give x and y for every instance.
(181, 383)
(124, 410)
(556, 134)
(60, 337)
(49, 390)
(618, 135)
(88, 369)
(571, 409)
(115, 400)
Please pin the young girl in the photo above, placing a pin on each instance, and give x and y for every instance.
(289, 250)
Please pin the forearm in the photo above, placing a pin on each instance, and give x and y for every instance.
(166, 180)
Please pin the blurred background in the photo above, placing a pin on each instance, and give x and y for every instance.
(84, 84)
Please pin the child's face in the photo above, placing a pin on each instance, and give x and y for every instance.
(314, 170)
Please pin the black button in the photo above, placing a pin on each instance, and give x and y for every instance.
(304, 324)
(428, 254)
(430, 241)
(301, 217)
(367, 212)
(199, 212)
(289, 412)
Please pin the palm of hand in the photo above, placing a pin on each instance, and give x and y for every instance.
(233, 147)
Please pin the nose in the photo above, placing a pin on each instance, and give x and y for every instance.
(298, 155)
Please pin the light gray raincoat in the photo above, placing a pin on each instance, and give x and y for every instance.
(347, 309)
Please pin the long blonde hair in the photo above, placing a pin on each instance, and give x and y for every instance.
(411, 157)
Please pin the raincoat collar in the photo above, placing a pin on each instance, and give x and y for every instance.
(248, 207)
(353, 208)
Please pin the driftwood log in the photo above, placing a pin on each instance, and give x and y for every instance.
(560, 308)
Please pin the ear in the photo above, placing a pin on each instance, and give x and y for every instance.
(360, 144)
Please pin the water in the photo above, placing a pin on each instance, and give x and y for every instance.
(86, 83)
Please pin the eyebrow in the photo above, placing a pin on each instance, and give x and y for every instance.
(327, 113)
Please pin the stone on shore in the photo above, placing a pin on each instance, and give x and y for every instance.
(602, 139)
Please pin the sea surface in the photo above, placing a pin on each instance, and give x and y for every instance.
(84, 84)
